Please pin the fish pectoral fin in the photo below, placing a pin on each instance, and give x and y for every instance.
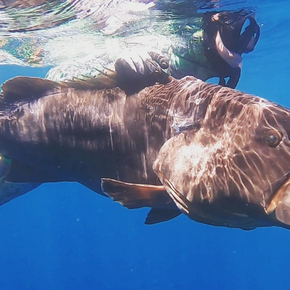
(157, 215)
(133, 195)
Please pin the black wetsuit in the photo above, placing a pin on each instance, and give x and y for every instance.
(239, 32)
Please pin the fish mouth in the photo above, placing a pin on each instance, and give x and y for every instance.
(279, 206)
(282, 194)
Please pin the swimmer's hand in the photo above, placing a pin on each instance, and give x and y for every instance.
(136, 71)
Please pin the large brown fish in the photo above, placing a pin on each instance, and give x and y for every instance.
(220, 156)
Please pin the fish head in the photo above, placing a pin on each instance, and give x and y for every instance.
(234, 168)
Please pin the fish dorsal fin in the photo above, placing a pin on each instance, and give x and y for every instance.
(105, 80)
(21, 90)
(25, 89)
(158, 215)
(133, 195)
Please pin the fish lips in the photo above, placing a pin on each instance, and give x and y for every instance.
(279, 205)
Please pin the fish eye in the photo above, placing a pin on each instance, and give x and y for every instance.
(272, 138)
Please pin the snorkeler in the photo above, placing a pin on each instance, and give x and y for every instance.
(227, 35)
(214, 50)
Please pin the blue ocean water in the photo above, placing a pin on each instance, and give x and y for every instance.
(64, 236)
